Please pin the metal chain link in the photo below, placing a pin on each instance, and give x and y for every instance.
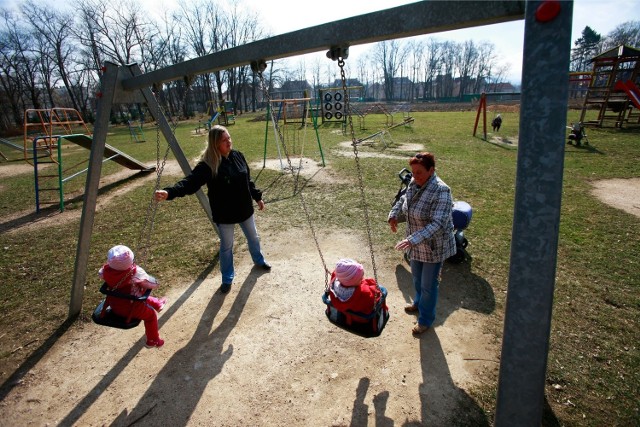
(354, 144)
(146, 231)
(296, 177)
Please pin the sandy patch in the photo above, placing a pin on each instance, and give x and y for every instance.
(265, 353)
(622, 194)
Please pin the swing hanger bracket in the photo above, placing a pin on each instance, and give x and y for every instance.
(258, 66)
(338, 52)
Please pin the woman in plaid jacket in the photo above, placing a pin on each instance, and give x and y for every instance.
(427, 206)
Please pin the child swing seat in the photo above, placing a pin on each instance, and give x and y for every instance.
(104, 316)
(363, 324)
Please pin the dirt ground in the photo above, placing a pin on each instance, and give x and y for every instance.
(265, 354)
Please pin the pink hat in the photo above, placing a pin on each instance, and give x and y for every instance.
(349, 272)
(120, 257)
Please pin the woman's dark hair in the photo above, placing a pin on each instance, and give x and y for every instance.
(425, 159)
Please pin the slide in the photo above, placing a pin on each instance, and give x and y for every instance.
(213, 118)
(12, 145)
(631, 90)
(109, 151)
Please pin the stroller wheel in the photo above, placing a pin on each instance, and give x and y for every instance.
(458, 257)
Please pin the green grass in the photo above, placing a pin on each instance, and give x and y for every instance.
(593, 363)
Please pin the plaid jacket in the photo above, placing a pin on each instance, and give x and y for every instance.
(429, 222)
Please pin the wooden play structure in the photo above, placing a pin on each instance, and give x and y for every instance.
(613, 91)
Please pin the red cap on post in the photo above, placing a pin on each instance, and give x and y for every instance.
(548, 10)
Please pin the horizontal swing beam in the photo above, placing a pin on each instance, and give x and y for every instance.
(289, 100)
(424, 17)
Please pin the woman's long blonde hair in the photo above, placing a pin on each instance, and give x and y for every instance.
(211, 154)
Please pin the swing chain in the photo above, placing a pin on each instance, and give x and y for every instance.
(341, 54)
(258, 67)
(149, 222)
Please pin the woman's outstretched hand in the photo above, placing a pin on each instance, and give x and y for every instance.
(404, 244)
(160, 195)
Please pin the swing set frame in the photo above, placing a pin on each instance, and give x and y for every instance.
(547, 28)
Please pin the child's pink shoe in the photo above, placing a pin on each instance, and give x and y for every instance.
(161, 303)
(155, 343)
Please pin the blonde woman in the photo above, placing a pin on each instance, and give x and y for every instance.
(231, 195)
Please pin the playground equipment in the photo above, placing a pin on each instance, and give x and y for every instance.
(613, 88)
(332, 103)
(482, 110)
(577, 133)
(42, 127)
(382, 136)
(54, 126)
(223, 113)
(371, 323)
(579, 82)
(135, 131)
(296, 116)
(53, 179)
(13, 146)
(532, 269)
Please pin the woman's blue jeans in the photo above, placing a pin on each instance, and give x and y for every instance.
(226, 232)
(425, 281)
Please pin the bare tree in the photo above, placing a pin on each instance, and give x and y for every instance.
(205, 32)
(432, 65)
(54, 29)
(388, 56)
(466, 61)
(244, 27)
(627, 33)
(115, 29)
(11, 68)
(315, 72)
(448, 58)
(364, 74)
(486, 62)
(416, 47)
(20, 43)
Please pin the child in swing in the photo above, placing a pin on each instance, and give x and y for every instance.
(350, 290)
(122, 274)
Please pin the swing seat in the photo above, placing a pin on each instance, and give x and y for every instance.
(104, 316)
(363, 324)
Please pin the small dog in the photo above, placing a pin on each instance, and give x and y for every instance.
(496, 123)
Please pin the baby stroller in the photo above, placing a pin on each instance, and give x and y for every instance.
(461, 216)
(577, 134)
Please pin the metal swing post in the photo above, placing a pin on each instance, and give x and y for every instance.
(105, 101)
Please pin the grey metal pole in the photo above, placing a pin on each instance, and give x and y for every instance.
(165, 128)
(423, 17)
(543, 113)
(105, 101)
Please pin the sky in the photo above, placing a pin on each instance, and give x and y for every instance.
(283, 16)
